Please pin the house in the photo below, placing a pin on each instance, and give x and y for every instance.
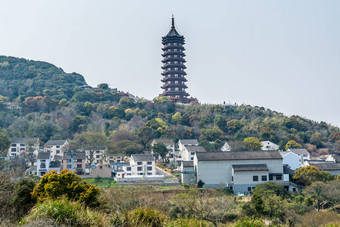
(239, 170)
(269, 146)
(170, 145)
(56, 147)
(55, 166)
(288, 181)
(43, 163)
(74, 161)
(115, 158)
(226, 147)
(31, 171)
(302, 152)
(188, 152)
(233, 146)
(187, 172)
(117, 167)
(332, 167)
(333, 158)
(291, 159)
(95, 154)
(187, 142)
(141, 168)
(21, 145)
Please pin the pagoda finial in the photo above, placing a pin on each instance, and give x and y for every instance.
(173, 21)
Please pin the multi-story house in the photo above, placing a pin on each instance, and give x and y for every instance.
(23, 145)
(56, 147)
(172, 155)
(45, 164)
(74, 161)
(95, 155)
(303, 153)
(140, 165)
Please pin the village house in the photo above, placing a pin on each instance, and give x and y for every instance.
(56, 147)
(43, 163)
(115, 158)
(170, 145)
(95, 155)
(187, 172)
(303, 153)
(269, 146)
(291, 159)
(188, 152)
(74, 161)
(239, 170)
(22, 145)
(187, 142)
(329, 166)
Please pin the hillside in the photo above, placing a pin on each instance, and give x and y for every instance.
(58, 105)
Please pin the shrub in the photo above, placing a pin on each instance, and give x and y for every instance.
(249, 222)
(145, 217)
(65, 213)
(53, 186)
(188, 222)
(200, 184)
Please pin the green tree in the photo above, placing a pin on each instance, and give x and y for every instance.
(308, 174)
(211, 134)
(252, 143)
(292, 144)
(126, 147)
(103, 86)
(4, 142)
(177, 117)
(233, 126)
(53, 186)
(160, 148)
(220, 122)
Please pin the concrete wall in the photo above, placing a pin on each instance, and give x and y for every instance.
(187, 178)
(293, 160)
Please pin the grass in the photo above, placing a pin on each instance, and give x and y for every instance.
(102, 182)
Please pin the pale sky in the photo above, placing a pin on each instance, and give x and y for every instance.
(280, 54)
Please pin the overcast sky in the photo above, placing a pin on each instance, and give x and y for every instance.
(283, 55)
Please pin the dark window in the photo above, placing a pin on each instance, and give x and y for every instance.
(13, 149)
(22, 145)
(79, 165)
(255, 178)
(294, 189)
(43, 173)
(192, 153)
(149, 163)
(139, 163)
(278, 177)
(232, 178)
(97, 156)
(264, 178)
(97, 152)
(42, 165)
(139, 168)
(14, 145)
(270, 177)
(149, 168)
(192, 158)
(249, 189)
(149, 173)
(128, 168)
(58, 151)
(79, 160)
(69, 166)
(57, 146)
(68, 160)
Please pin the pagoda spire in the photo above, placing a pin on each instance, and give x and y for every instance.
(173, 22)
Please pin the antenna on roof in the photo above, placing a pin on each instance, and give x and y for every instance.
(173, 22)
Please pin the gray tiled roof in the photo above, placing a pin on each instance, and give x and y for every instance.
(142, 157)
(299, 151)
(167, 142)
(250, 167)
(55, 142)
(187, 142)
(44, 155)
(55, 164)
(328, 166)
(76, 155)
(195, 148)
(238, 155)
(187, 163)
(22, 140)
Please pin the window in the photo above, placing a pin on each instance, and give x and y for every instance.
(270, 177)
(192, 153)
(278, 177)
(42, 165)
(22, 145)
(294, 189)
(149, 163)
(14, 145)
(264, 178)
(149, 168)
(149, 173)
(69, 166)
(68, 160)
(255, 178)
(97, 152)
(97, 156)
(232, 178)
(249, 189)
(128, 174)
(58, 151)
(57, 146)
(13, 149)
(140, 173)
(79, 165)
(79, 160)
(139, 168)
(139, 163)
(128, 169)
(192, 158)
(42, 173)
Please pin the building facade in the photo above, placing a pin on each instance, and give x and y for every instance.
(56, 147)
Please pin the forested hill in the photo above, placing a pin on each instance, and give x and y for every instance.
(23, 78)
(38, 99)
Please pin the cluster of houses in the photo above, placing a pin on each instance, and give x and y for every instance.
(231, 167)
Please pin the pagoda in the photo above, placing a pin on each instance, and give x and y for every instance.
(173, 67)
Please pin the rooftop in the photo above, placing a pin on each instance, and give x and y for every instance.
(23, 140)
(55, 142)
(164, 141)
(238, 155)
(55, 164)
(76, 155)
(195, 148)
(250, 167)
(44, 155)
(187, 163)
(328, 166)
(299, 151)
(142, 157)
(187, 142)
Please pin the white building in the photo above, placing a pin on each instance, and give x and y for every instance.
(170, 145)
(22, 145)
(269, 146)
(187, 172)
(43, 163)
(95, 155)
(56, 147)
(238, 170)
(291, 159)
(187, 142)
(141, 164)
(188, 152)
(302, 152)
(226, 147)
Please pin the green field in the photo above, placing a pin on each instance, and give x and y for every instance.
(101, 182)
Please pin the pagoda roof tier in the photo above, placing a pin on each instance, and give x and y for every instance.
(173, 59)
(167, 93)
(167, 78)
(174, 85)
(166, 40)
(169, 72)
(165, 66)
(173, 53)
(173, 47)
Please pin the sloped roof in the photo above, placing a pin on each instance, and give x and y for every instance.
(250, 167)
(238, 155)
(142, 157)
(76, 155)
(55, 164)
(328, 166)
(195, 148)
(22, 140)
(187, 163)
(167, 142)
(299, 151)
(187, 142)
(44, 155)
(55, 142)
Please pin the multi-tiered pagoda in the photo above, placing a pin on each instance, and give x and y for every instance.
(174, 74)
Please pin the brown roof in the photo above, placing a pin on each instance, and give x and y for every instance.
(238, 155)
(250, 167)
